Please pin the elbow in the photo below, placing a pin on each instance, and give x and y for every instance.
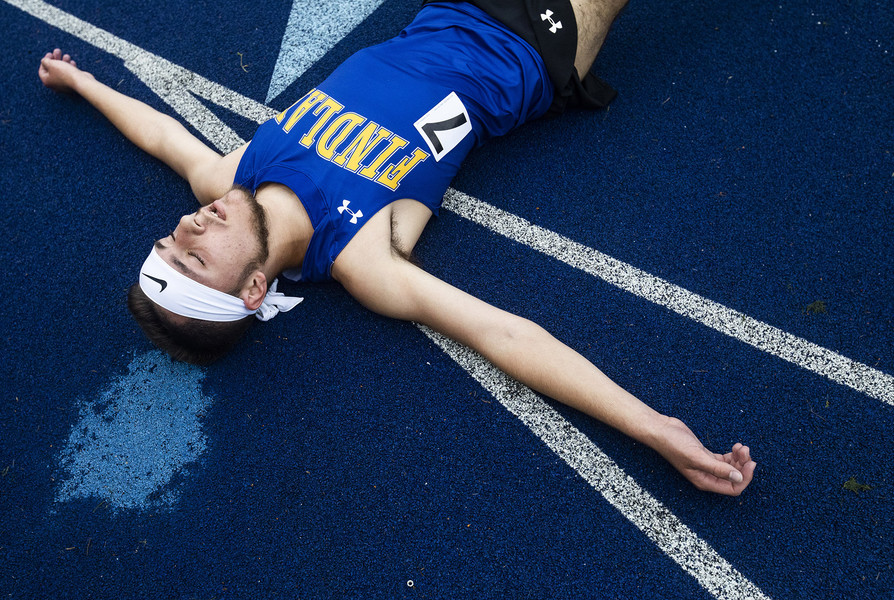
(510, 336)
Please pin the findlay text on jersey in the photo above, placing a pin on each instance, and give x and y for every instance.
(348, 139)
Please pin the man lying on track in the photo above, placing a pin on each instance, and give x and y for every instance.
(341, 184)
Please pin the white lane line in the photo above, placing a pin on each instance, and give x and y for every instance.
(762, 336)
(177, 86)
(659, 524)
(173, 84)
(314, 28)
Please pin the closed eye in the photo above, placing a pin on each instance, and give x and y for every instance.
(196, 256)
(159, 245)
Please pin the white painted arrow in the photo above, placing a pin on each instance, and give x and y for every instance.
(314, 29)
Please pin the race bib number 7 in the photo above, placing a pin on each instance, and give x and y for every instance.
(444, 126)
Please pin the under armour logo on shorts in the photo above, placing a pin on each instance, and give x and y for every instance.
(548, 16)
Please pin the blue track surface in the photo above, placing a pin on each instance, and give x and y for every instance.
(749, 159)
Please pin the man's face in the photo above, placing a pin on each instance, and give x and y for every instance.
(215, 244)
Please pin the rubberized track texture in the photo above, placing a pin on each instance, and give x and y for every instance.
(719, 242)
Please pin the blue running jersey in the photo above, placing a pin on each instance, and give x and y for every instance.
(396, 121)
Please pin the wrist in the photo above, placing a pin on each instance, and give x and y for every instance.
(652, 429)
(80, 79)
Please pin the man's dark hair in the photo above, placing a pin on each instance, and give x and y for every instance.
(194, 341)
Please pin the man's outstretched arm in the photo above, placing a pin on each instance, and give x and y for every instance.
(158, 134)
(525, 351)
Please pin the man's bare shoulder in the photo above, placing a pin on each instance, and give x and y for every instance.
(211, 175)
(367, 249)
(395, 229)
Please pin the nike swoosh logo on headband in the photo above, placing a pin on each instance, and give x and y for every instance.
(160, 282)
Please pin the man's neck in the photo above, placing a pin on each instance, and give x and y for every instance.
(289, 227)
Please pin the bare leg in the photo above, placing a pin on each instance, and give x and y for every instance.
(594, 19)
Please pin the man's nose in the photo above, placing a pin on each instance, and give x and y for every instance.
(191, 224)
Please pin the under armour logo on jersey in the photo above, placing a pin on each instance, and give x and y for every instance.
(354, 215)
(553, 25)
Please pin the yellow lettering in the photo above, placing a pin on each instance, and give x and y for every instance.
(392, 174)
(305, 105)
(394, 144)
(337, 132)
(332, 130)
(282, 115)
(361, 145)
(328, 108)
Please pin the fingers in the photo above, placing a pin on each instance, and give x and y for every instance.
(748, 471)
(43, 71)
(722, 468)
(51, 73)
(740, 456)
(58, 55)
(743, 473)
(740, 460)
(744, 463)
(727, 474)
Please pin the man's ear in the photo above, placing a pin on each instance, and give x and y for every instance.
(254, 291)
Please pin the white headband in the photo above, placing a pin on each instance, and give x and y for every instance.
(171, 289)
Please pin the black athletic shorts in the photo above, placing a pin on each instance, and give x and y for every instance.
(550, 28)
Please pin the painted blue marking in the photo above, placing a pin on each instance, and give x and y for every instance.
(131, 440)
(314, 28)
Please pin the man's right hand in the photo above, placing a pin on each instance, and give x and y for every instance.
(59, 72)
